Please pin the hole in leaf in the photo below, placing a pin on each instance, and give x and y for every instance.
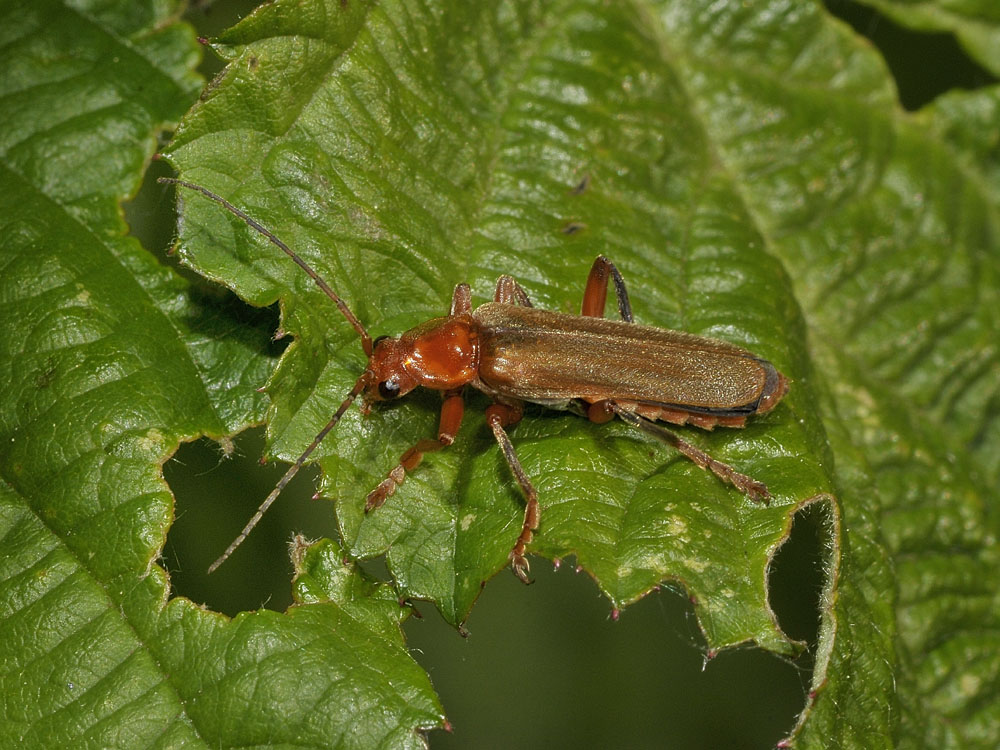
(211, 18)
(797, 575)
(215, 496)
(150, 214)
(924, 65)
(544, 666)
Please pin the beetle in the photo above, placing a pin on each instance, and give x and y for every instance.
(516, 353)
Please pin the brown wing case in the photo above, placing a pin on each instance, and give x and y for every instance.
(538, 355)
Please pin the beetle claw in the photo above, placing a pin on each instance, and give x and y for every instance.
(519, 566)
(755, 490)
(379, 495)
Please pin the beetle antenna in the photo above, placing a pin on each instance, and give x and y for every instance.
(366, 339)
(293, 470)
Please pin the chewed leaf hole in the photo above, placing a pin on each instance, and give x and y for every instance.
(798, 574)
(218, 486)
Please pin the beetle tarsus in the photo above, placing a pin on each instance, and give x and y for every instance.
(378, 496)
(412, 458)
(532, 513)
(748, 485)
(756, 491)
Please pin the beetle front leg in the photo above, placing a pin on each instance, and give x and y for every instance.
(499, 416)
(451, 418)
(595, 294)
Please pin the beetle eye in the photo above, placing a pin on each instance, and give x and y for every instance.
(377, 339)
(388, 389)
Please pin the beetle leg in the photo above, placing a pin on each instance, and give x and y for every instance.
(499, 416)
(748, 485)
(595, 294)
(509, 292)
(451, 418)
(461, 300)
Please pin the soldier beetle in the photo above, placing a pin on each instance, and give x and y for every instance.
(516, 353)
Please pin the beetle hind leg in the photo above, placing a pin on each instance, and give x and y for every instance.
(753, 489)
(595, 294)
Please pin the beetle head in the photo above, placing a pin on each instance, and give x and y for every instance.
(389, 380)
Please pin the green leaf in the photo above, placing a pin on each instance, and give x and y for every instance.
(891, 240)
(919, 402)
(109, 361)
(399, 175)
(750, 171)
(976, 24)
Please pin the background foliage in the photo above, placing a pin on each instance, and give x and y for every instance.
(751, 171)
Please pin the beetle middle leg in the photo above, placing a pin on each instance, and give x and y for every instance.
(509, 292)
(499, 416)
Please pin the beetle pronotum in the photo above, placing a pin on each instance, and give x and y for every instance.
(515, 353)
